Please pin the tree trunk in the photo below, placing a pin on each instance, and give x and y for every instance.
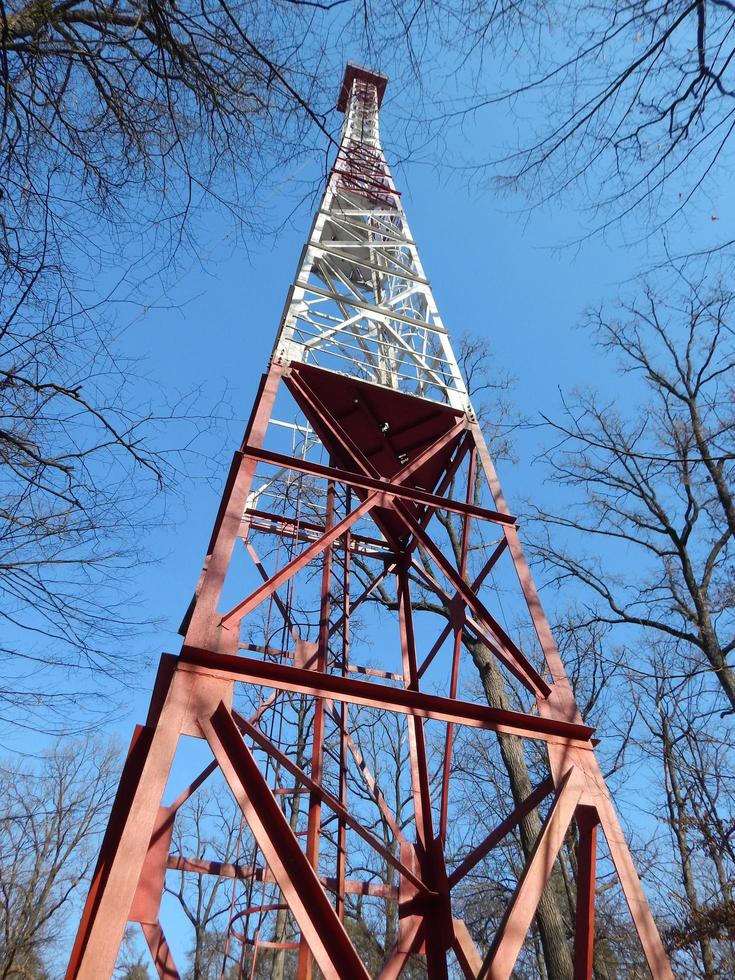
(715, 468)
(678, 817)
(709, 642)
(553, 905)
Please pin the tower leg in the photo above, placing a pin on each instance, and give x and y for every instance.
(653, 948)
(141, 790)
(584, 932)
(129, 779)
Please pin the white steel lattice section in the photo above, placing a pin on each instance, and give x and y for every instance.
(361, 303)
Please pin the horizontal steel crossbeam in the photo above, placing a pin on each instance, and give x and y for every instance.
(415, 703)
(369, 483)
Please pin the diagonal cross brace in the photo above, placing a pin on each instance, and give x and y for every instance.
(368, 778)
(326, 797)
(501, 831)
(288, 571)
(160, 952)
(377, 497)
(307, 900)
(470, 598)
(487, 567)
(499, 642)
(502, 955)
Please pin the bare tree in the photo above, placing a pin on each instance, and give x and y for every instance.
(132, 961)
(79, 481)
(115, 121)
(697, 786)
(651, 534)
(119, 125)
(645, 543)
(632, 104)
(208, 827)
(50, 819)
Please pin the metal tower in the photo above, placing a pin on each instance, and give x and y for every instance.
(363, 474)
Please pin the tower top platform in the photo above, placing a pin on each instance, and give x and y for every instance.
(353, 71)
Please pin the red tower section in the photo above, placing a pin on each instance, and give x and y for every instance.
(362, 475)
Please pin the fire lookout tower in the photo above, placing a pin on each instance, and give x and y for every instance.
(379, 486)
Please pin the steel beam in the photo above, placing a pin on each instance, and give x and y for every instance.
(407, 702)
(584, 929)
(398, 489)
(501, 831)
(325, 934)
(160, 952)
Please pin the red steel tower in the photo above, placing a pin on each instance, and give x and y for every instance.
(363, 482)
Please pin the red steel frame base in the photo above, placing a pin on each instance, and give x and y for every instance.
(194, 691)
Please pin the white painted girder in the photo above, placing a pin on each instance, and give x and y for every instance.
(361, 303)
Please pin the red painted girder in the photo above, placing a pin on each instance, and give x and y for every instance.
(416, 738)
(313, 551)
(307, 900)
(162, 956)
(193, 786)
(489, 564)
(222, 869)
(584, 930)
(645, 924)
(379, 696)
(146, 904)
(129, 778)
(268, 518)
(502, 955)
(426, 662)
(374, 483)
(468, 957)
(403, 951)
(305, 966)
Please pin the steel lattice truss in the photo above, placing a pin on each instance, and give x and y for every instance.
(361, 302)
(376, 484)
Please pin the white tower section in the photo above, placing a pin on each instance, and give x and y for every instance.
(361, 303)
